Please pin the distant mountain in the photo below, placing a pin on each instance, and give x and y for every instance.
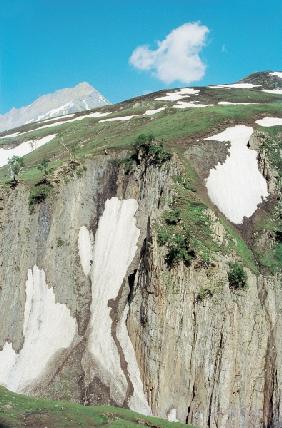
(267, 79)
(62, 102)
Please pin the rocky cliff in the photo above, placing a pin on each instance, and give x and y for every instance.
(117, 287)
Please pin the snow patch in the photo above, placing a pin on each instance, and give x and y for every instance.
(276, 73)
(270, 121)
(65, 116)
(96, 114)
(121, 118)
(235, 86)
(138, 400)
(15, 134)
(171, 417)
(273, 91)
(115, 247)
(237, 187)
(227, 103)
(59, 111)
(23, 148)
(179, 95)
(183, 104)
(152, 112)
(48, 328)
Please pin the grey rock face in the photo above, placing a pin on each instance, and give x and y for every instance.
(216, 361)
(62, 102)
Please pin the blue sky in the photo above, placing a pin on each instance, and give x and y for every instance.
(49, 44)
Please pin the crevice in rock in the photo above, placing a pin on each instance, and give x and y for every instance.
(114, 314)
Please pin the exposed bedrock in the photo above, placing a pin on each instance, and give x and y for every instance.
(124, 329)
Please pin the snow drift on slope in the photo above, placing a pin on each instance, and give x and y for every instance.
(237, 187)
(48, 328)
(114, 249)
(23, 148)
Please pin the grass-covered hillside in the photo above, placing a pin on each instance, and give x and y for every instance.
(21, 411)
(180, 120)
(177, 127)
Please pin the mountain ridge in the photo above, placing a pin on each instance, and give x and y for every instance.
(61, 102)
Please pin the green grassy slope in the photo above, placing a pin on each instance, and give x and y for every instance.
(177, 128)
(21, 411)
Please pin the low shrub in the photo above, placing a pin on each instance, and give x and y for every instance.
(147, 150)
(237, 276)
(39, 193)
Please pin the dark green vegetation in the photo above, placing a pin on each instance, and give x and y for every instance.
(185, 229)
(38, 193)
(269, 224)
(146, 151)
(19, 411)
(237, 277)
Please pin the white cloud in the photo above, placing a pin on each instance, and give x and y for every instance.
(176, 57)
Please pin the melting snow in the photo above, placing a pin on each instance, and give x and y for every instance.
(237, 186)
(276, 73)
(48, 328)
(183, 104)
(115, 247)
(270, 121)
(172, 416)
(23, 148)
(96, 114)
(179, 95)
(273, 91)
(53, 118)
(122, 118)
(152, 112)
(235, 86)
(227, 103)
(15, 134)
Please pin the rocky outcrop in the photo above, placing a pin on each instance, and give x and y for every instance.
(143, 334)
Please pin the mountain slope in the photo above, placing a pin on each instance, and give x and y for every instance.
(20, 411)
(62, 102)
(267, 79)
(141, 257)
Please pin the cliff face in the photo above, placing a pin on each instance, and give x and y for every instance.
(92, 312)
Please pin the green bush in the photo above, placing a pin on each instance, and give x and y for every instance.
(172, 216)
(203, 294)
(237, 277)
(39, 193)
(148, 150)
(178, 247)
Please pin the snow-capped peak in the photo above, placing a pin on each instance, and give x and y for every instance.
(59, 103)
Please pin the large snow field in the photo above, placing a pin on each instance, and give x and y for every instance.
(237, 187)
(48, 327)
(23, 148)
(113, 251)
